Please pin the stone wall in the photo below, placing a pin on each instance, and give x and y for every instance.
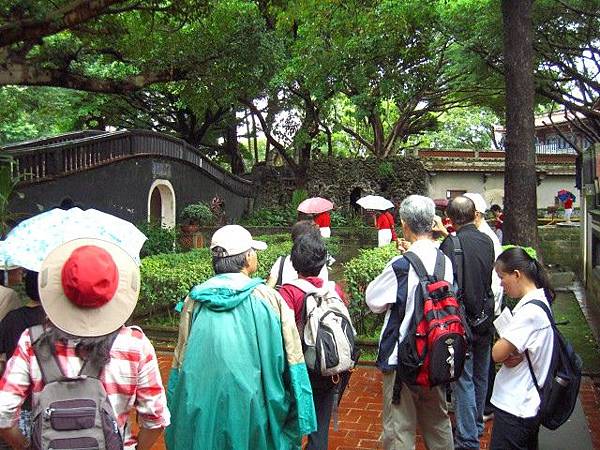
(561, 246)
(344, 180)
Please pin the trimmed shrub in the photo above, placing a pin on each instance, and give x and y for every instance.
(197, 214)
(160, 240)
(167, 278)
(358, 273)
(270, 217)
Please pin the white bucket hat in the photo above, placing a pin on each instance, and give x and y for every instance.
(235, 239)
(89, 287)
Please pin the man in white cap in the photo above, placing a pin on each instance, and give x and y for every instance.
(238, 379)
(88, 289)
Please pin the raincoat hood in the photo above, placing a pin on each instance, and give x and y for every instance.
(225, 291)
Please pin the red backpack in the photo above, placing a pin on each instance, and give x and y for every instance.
(435, 346)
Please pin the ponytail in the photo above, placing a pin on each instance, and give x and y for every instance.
(516, 258)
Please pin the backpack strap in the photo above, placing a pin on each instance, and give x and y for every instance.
(47, 360)
(306, 286)
(458, 265)
(280, 271)
(551, 319)
(439, 271)
(93, 370)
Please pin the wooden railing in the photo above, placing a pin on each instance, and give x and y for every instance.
(50, 158)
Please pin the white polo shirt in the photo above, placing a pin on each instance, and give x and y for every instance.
(529, 329)
(289, 273)
(381, 292)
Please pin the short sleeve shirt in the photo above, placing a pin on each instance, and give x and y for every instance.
(529, 329)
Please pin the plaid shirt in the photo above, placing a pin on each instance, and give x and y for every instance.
(131, 379)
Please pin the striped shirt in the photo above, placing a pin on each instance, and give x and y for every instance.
(131, 379)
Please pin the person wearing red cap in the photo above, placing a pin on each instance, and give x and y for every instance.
(88, 289)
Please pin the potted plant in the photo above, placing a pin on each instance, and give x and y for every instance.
(195, 215)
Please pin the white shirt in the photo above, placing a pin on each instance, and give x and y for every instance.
(289, 273)
(529, 329)
(496, 286)
(381, 292)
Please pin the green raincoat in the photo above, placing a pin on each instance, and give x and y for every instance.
(238, 379)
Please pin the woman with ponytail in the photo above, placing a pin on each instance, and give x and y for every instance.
(515, 397)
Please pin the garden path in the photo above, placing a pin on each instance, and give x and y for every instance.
(360, 417)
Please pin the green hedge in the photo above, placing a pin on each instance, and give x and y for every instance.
(166, 278)
(358, 273)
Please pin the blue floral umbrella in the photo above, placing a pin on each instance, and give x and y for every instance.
(28, 244)
(563, 195)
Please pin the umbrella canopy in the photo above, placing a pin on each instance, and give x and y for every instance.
(441, 202)
(564, 195)
(315, 205)
(375, 202)
(28, 244)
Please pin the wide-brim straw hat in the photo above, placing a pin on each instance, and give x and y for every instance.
(102, 283)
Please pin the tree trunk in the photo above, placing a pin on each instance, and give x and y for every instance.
(520, 202)
(233, 151)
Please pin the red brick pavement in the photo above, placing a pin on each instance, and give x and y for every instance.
(359, 415)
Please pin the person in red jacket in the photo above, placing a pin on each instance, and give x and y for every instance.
(384, 222)
(568, 204)
(309, 255)
(323, 220)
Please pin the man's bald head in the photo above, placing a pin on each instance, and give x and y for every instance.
(461, 211)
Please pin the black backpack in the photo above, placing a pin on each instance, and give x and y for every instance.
(559, 393)
(482, 324)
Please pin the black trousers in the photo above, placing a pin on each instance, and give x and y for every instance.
(323, 400)
(514, 433)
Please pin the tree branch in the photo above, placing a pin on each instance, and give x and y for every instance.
(24, 74)
(69, 16)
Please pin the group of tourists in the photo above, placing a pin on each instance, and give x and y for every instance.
(260, 365)
(473, 262)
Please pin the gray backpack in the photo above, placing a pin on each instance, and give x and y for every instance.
(71, 413)
(328, 335)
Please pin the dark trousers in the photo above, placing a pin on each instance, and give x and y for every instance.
(323, 400)
(491, 379)
(514, 433)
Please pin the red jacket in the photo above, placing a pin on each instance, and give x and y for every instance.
(323, 219)
(294, 297)
(385, 221)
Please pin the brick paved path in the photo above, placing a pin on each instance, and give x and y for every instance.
(360, 412)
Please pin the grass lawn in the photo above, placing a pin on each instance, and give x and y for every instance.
(577, 331)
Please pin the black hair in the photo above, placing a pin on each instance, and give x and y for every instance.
(302, 227)
(495, 208)
(31, 285)
(309, 254)
(96, 350)
(228, 264)
(516, 258)
(461, 211)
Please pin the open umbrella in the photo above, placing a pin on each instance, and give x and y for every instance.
(375, 202)
(28, 244)
(315, 205)
(441, 203)
(564, 195)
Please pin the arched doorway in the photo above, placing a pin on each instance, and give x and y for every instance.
(161, 203)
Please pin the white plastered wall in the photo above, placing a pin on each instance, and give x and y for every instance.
(491, 186)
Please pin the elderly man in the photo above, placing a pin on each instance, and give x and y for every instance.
(238, 380)
(393, 293)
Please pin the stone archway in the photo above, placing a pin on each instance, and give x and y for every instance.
(161, 203)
